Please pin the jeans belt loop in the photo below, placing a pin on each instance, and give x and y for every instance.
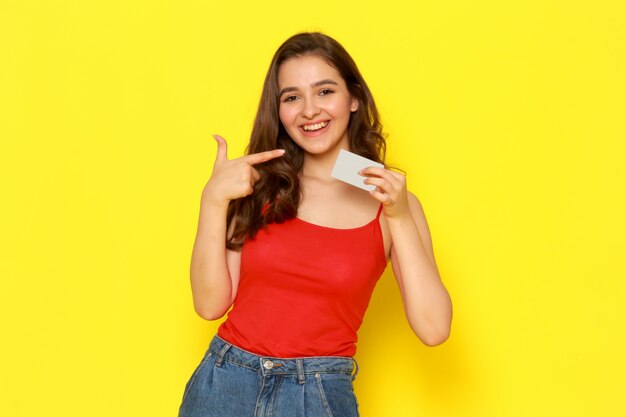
(300, 366)
(356, 369)
(222, 352)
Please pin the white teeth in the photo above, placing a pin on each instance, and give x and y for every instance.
(315, 126)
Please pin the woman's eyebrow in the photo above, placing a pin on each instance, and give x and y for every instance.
(315, 84)
(327, 81)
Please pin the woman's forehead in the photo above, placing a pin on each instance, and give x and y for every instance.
(304, 70)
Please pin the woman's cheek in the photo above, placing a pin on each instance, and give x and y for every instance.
(287, 111)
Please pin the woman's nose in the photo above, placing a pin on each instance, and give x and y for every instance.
(311, 109)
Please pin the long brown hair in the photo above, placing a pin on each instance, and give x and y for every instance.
(276, 195)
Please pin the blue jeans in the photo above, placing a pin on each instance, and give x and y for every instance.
(230, 382)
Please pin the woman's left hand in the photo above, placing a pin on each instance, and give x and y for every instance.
(390, 190)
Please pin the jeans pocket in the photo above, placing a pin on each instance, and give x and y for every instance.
(320, 387)
(337, 395)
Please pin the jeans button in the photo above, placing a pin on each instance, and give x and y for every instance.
(268, 364)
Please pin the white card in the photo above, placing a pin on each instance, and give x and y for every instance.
(348, 165)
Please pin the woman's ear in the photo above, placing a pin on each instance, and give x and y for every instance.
(354, 104)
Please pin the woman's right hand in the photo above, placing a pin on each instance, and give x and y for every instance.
(234, 178)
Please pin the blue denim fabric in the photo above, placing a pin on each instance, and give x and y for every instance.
(230, 382)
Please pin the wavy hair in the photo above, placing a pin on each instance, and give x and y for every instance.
(277, 194)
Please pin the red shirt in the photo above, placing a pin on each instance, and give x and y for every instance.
(304, 289)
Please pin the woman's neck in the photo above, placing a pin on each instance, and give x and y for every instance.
(319, 166)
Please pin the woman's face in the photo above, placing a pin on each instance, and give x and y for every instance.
(315, 105)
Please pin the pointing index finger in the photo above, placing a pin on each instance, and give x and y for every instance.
(257, 158)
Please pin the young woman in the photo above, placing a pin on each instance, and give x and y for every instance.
(297, 253)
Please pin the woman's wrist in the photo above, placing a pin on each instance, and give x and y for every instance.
(400, 218)
(214, 201)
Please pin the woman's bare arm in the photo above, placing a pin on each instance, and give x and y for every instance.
(214, 269)
(426, 301)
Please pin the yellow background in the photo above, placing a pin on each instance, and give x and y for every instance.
(508, 117)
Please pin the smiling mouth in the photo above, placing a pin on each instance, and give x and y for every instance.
(313, 128)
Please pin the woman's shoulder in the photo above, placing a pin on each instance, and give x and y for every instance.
(415, 205)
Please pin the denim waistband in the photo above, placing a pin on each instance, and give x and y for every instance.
(268, 365)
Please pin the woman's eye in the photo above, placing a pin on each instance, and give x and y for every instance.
(325, 92)
(290, 98)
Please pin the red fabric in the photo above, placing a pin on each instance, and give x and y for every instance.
(304, 289)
